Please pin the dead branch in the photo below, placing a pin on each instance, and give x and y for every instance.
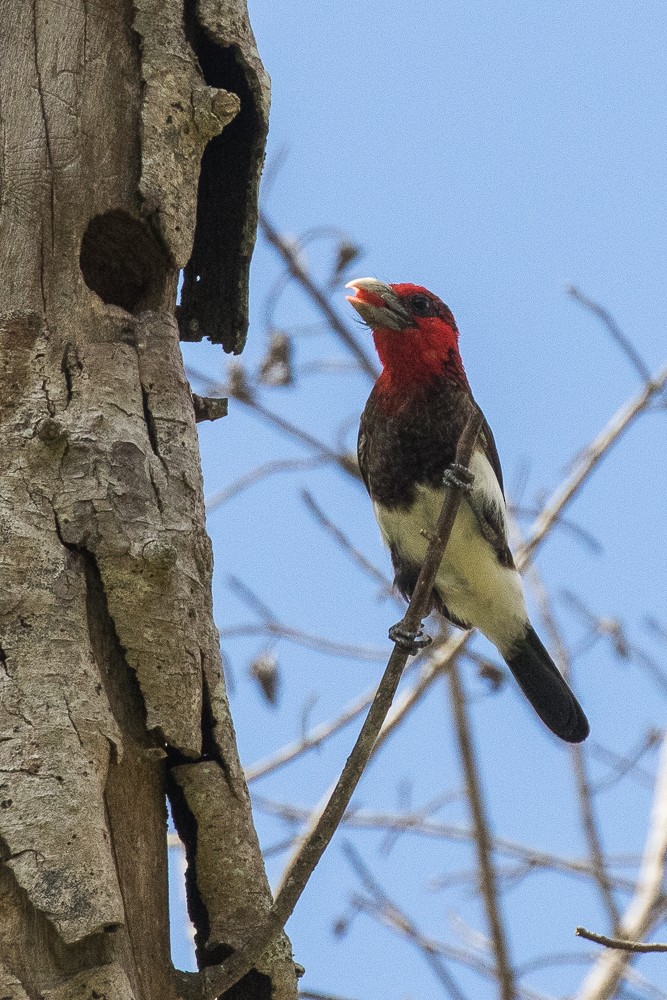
(309, 741)
(344, 542)
(413, 822)
(302, 277)
(326, 820)
(614, 330)
(308, 640)
(646, 905)
(487, 874)
(397, 921)
(434, 960)
(586, 806)
(589, 459)
(257, 475)
(639, 947)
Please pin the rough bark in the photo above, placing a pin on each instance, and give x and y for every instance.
(111, 690)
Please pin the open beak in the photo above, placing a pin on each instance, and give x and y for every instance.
(378, 305)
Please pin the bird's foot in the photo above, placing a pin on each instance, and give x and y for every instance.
(411, 642)
(458, 476)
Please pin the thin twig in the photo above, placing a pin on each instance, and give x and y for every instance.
(326, 819)
(439, 657)
(622, 765)
(397, 921)
(619, 943)
(414, 823)
(522, 512)
(344, 542)
(487, 874)
(308, 640)
(586, 806)
(302, 277)
(315, 995)
(271, 626)
(259, 473)
(590, 824)
(346, 462)
(310, 740)
(630, 351)
(436, 665)
(431, 956)
(588, 460)
(646, 905)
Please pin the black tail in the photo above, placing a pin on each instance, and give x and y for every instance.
(546, 690)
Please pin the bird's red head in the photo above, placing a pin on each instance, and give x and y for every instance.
(414, 331)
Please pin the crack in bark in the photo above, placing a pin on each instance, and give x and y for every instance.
(31, 774)
(49, 160)
(71, 719)
(156, 491)
(186, 825)
(69, 363)
(151, 426)
(50, 405)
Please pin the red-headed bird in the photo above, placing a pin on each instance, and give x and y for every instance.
(407, 443)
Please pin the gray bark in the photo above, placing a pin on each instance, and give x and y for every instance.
(111, 691)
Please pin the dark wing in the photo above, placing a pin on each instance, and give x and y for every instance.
(490, 518)
(362, 449)
(489, 448)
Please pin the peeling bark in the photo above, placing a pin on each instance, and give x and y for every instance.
(111, 689)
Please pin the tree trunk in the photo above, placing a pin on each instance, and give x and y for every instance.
(111, 692)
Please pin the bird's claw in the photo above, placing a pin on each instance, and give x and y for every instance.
(411, 642)
(458, 476)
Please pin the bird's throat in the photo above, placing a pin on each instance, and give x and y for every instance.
(416, 359)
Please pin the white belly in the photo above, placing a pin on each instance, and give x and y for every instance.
(474, 586)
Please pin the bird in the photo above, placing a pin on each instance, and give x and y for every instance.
(408, 434)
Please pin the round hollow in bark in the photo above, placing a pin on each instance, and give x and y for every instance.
(122, 261)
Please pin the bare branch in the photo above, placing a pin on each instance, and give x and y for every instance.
(272, 626)
(347, 462)
(240, 391)
(590, 824)
(258, 474)
(399, 922)
(414, 822)
(647, 903)
(487, 875)
(315, 738)
(408, 928)
(622, 945)
(589, 459)
(587, 538)
(587, 809)
(630, 351)
(306, 639)
(621, 765)
(437, 664)
(344, 542)
(326, 820)
(302, 277)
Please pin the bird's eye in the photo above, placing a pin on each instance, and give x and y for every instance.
(421, 305)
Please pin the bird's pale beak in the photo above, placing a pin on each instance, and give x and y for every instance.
(378, 305)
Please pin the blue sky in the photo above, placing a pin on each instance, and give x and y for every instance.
(496, 154)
